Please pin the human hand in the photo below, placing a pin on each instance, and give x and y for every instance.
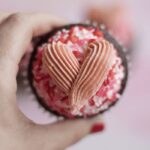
(17, 132)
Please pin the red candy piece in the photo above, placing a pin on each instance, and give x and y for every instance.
(73, 39)
(91, 102)
(98, 33)
(77, 54)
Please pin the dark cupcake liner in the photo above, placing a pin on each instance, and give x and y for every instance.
(122, 53)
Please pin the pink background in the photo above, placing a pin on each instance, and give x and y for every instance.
(128, 124)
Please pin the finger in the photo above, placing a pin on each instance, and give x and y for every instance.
(16, 33)
(68, 132)
(3, 16)
(18, 30)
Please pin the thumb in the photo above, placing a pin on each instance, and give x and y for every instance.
(66, 133)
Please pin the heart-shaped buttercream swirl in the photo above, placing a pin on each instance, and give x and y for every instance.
(80, 83)
(61, 64)
(99, 57)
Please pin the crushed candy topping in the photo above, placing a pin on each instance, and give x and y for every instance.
(77, 39)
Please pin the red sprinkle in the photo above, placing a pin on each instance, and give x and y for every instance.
(91, 102)
(98, 33)
(73, 39)
(77, 54)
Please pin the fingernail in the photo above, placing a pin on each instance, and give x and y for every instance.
(98, 127)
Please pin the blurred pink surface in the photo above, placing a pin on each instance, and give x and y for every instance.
(128, 124)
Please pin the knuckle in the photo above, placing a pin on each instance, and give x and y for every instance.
(17, 18)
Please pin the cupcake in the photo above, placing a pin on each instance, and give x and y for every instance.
(116, 19)
(23, 66)
(78, 70)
